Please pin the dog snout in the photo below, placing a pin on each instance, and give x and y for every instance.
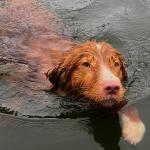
(111, 87)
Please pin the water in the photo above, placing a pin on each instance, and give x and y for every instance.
(24, 89)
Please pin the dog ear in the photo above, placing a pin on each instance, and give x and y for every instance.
(123, 67)
(55, 74)
(60, 75)
(124, 73)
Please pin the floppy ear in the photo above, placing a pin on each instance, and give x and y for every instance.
(123, 69)
(54, 75)
(124, 73)
(60, 75)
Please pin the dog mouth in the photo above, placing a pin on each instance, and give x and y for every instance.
(112, 103)
(109, 101)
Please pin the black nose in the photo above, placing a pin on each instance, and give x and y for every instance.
(112, 89)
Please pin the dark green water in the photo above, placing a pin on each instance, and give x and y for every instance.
(31, 117)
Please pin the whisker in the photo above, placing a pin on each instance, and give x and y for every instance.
(75, 98)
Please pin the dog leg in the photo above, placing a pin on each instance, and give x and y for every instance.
(133, 128)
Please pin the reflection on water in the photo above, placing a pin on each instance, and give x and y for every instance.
(106, 132)
(86, 133)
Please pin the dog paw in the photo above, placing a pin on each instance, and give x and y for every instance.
(133, 131)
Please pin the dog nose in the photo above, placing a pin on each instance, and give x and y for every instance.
(111, 87)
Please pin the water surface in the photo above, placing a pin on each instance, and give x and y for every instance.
(23, 87)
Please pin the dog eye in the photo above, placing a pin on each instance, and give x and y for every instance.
(116, 64)
(86, 64)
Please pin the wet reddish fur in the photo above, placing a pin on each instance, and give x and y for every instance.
(72, 78)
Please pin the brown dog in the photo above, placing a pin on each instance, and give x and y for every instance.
(96, 71)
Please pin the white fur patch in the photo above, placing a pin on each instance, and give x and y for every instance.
(133, 131)
(108, 75)
(99, 45)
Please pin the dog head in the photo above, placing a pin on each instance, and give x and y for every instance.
(93, 70)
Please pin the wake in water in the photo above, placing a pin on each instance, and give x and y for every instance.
(25, 31)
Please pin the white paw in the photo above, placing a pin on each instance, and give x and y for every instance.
(133, 131)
